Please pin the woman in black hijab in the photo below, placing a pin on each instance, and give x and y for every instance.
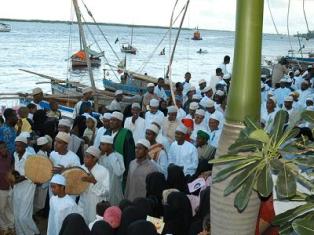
(177, 214)
(74, 224)
(102, 228)
(141, 227)
(129, 215)
(155, 185)
(176, 178)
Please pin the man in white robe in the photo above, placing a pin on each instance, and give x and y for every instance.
(199, 123)
(183, 153)
(23, 192)
(115, 104)
(154, 113)
(61, 205)
(98, 190)
(105, 119)
(113, 162)
(159, 90)
(214, 130)
(170, 124)
(135, 123)
(87, 95)
(281, 92)
(215, 79)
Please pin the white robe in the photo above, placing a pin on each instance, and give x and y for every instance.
(23, 198)
(185, 155)
(114, 163)
(181, 114)
(214, 137)
(59, 209)
(160, 93)
(95, 192)
(100, 132)
(153, 117)
(136, 128)
(115, 105)
(202, 126)
(70, 159)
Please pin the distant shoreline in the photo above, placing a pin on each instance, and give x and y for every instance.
(105, 24)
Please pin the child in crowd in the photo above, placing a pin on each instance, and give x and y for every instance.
(54, 112)
(101, 207)
(90, 131)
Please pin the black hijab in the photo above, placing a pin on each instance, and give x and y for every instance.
(129, 215)
(144, 205)
(102, 228)
(74, 224)
(177, 214)
(176, 178)
(141, 227)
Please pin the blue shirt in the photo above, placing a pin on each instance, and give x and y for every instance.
(8, 135)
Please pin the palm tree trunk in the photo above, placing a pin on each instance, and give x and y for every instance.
(243, 100)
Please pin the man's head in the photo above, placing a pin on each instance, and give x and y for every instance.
(172, 113)
(304, 85)
(101, 207)
(309, 102)
(57, 185)
(213, 122)
(43, 143)
(199, 116)
(153, 104)
(64, 125)
(180, 133)
(32, 108)
(23, 112)
(219, 72)
(202, 84)
(192, 108)
(116, 121)
(105, 119)
(271, 104)
(202, 138)
(161, 82)
(151, 133)
(179, 87)
(61, 142)
(106, 144)
(118, 95)
(187, 76)
(226, 59)
(53, 105)
(37, 95)
(91, 122)
(20, 144)
(150, 88)
(135, 110)
(208, 91)
(87, 93)
(10, 117)
(288, 102)
(141, 149)
(91, 156)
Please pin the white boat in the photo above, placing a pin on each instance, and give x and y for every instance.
(127, 47)
(5, 27)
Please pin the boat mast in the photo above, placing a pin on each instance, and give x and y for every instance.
(132, 36)
(83, 39)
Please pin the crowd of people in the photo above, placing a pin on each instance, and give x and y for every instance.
(147, 164)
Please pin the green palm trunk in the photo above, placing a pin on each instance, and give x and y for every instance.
(243, 100)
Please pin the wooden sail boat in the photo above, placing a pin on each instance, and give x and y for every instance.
(127, 47)
(197, 35)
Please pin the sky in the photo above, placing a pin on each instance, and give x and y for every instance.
(206, 14)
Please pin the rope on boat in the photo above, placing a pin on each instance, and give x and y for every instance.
(288, 13)
(272, 18)
(304, 13)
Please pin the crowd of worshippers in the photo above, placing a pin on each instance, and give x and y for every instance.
(149, 159)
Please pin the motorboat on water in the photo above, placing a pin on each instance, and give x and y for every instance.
(5, 27)
(201, 51)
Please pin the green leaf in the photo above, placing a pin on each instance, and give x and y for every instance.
(286, 229)
(265, 182)
(286, 185)
(305, 182)
(238, 180)
(280, 119)
(292, 214)
(304, 226)
(230, 158)
(243, 196)
(245, 145)
(308, 116)
(250, 126)
(276, 165)
(232, 168)
(307, 162)
(260, 135)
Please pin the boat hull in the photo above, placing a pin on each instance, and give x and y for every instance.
(78, 63)
(299, 61)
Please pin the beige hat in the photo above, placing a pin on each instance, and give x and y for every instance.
(37, 91)
(200, 112)
(206, 89)
(117, 115)
(194, 106)
(195, 97)
(215, 117)
(118, 92)
(143, 142)
(42, 141)
(87, 90)
(65, 137)
(154, 103)
(150, 85)
(220, 93)
(201, 81)
(153, 128)
(136, 106)
(172, 109)
(181, 128)
(92, 150)
(22, 139)
(289, 98)
(106, 139)
(48, 138)
(65, 122)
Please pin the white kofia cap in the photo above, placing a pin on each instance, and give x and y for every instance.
(42, 141)
(227, 76)
(172, 109)
(117, 115)
(192, 88)
(215, 117)
(283, 79)
(201, 81)
(143, 142)
(310, 66)
(154, 103)
(200, 112)
(150, 85)
(118, 92)
(309, 99)
(65, 122)
(22, 139)
(92, 150)
(58, 179)
(25, 134)
(289, 98)
(194, 106)
(87, 90)
(297, 73)
(37, 91)
(136, 106)
(195, 97)
(220, 93)
(206, 89)
(154, 128)
(106, 116)
(273, 98)
(65, 137)
(106, 139)
(263, 76)
(181, 128)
